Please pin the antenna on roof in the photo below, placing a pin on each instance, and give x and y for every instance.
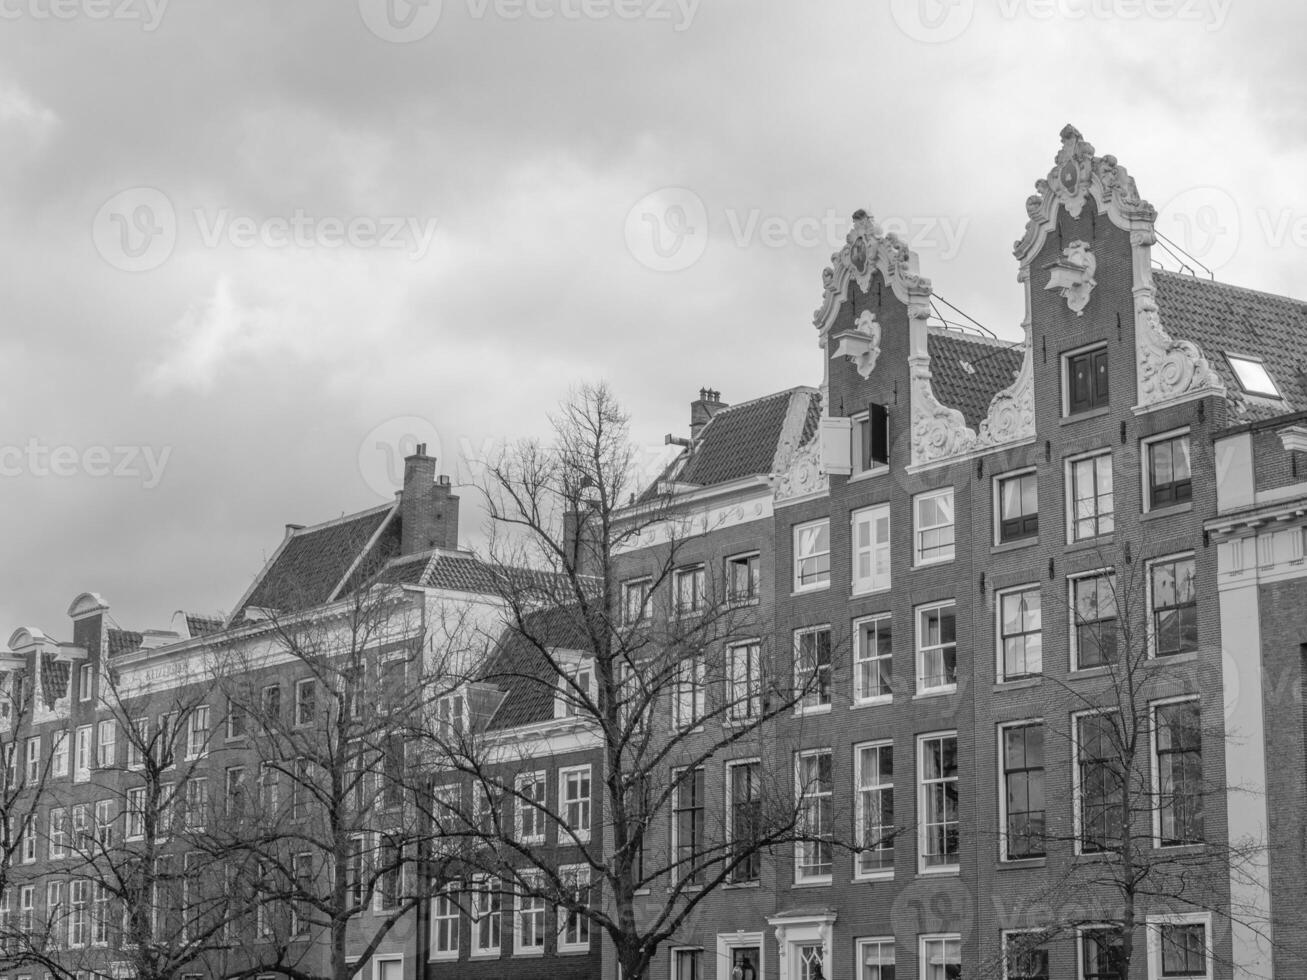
(1180, 256)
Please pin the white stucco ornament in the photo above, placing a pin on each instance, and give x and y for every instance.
(861, 345)
(1073, 274)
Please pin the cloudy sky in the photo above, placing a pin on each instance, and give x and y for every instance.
(251, 247)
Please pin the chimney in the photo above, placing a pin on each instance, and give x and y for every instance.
(428, 510)
(708, 405)
(581, 542)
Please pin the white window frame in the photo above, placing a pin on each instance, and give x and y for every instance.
(860, 429)
(83, 753)
(487, 899)
(303, 682)
(728, 942)
(862, 942)
(60, 751)
(519, 810)
(1077, 792)
(137, 743)
(919, 528)
(803, 796)
(753, 560)
(134, 812)
(798, 557)
(801, 707)
(452, 918)
(1073, 641)
(997, 514)
(582, 880)
(197, 732)
(744, 687)
(585, 805)
(688, 777)
(578, 670)
(919, 614)
(924, 940)
(922, 788)
(728, 796)
(104, 821)
(1155, 765)
(697, 576)
(1145, 467)
(859, 810)
(520, 908)
(58, 832)
(1080, 941)
(1150, 623)
(629, 587)
(881, 572)
(860, 697)
(1009, 933)
(1154, 924)
(32, 758)
(1069, 503)
(379, 961)
(106, 749)
(1000, 666)
(672, 957)
(1001, 760)
(85, 682)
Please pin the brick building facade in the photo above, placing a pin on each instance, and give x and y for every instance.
(990, 563)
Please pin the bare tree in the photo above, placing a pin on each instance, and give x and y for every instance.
(657, 680)
(336, 817)
(1137, 841)
(26, 788)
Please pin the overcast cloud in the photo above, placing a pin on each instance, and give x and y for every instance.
(245, 243)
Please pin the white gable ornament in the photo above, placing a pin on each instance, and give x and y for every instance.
(1073, 274)
(861, 345)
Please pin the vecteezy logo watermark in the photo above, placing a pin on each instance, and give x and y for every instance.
(937, 21)
(383, 450)
(932, 21)
(136, 230)
(400, 21)
(149, 13)
(667, 231)
(36, 459)
(1203, 221)
(406, 21)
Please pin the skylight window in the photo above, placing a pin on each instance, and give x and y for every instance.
(1253, 376)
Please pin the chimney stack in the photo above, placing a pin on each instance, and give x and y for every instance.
(708, 405)
(428, 509)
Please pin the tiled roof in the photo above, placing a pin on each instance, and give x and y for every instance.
(525, 675)
(54, 678)
(123, 641)
(741, 441)
(966, 373)
(313, 561)
(1221, 318)
(202, 625)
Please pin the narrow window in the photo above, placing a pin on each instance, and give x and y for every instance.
(938, 762)
(744, 805)
(1023, 790)
(871, 549)
(873, 669)
(874, 819)
(1101, 783)
(1020, 634)
(1086, 379)
(812, 555)
(1018, 507)
(687, 825)
(1169, 478)
(1179, 773)
(937, 649)
(1174, 602)
(814, 854)
(933, 532)
(1093, 602)
(812, 667)
(1092, 501)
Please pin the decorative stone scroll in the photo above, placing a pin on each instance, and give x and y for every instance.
(803, 476)
(938, 432)
(1011, 415)
(1168, 369)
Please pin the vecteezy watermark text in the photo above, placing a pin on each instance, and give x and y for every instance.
(36, 459)
(149, 13)
(667, 230)
(937, 21)
(406, 21)
(136, 230)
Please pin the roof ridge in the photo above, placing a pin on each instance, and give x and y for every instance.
(1181, 276)
(335, 521)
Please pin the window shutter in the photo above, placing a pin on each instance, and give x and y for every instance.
(836, 447)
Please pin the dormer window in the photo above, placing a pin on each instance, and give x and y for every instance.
(1252, 376)
(576, 682)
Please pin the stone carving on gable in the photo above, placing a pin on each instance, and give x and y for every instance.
(802, 476)
(1073, 274)
(1168, 368)
(1076, 174)
(861, 345)
(865, 251)
(938, 432)
(1011, 415)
